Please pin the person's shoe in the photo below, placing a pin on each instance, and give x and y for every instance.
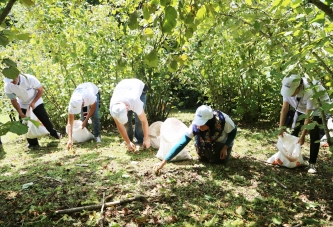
(98, 139)
(312, 169)
(59, 135)
(29, 146)
(139, 147)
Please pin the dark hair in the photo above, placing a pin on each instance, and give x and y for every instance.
(211, 123)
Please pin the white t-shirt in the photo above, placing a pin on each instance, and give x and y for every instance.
(24, 90)
(228, 127)
(129, 91)
(88, 93)
(305, 98)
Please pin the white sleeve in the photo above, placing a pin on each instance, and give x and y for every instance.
(189, 132)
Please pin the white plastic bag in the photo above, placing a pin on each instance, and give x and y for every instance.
(80, 134)
(154, 134)
(289, 154)
(171, 132)
(33, 131)
(323, 140)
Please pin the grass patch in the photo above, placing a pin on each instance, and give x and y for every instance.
(245, 192)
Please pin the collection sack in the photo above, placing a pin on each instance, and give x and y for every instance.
(154, 134)
(289, 154)
(33, 131)
(171, 132)
(80, 134)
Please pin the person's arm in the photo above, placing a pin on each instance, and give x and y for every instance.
(90, 113)
(123, 133)
(173, 152)
(230, 139)
(305, 131)
(283, 115)
(145, 128)
(39, 94)
(70, 123)
(16, 105)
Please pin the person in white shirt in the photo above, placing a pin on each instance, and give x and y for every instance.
(85, 95)
(25, 91)
(130, 96)
(298, 93)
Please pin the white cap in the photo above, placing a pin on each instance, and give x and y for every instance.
(75, 104)
(289, 85)
(119, 112)
(202, 115)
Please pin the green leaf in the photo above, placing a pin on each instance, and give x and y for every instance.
(18, 128)
(3, 40)
(189, 18)
(10, 72)
(285, 3)
(310, 126)
(151, 59)
(133, 22)
(170, 19)
(173, 66)
(310, 221)
(151, 56)
(4, 128)
(189, 33)
(277, 220)
(163, 2)
(9, 62)
(256, 25)
(34, 122)
(146, 14)
(248, 2)
(23, 36)
(27, 2)
(320, 18)
(201, 14)
(318, 94)
(240, 210)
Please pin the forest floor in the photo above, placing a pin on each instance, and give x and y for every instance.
(35, 184)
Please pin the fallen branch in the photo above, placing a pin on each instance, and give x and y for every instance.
(282, 185)
(95, 207)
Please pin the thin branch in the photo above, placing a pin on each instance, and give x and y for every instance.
(325, 8)
(7, 10)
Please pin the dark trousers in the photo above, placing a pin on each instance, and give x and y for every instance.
(314, 136)
(213, 155)
(41, 114)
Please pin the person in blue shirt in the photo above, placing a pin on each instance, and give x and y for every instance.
(214, 133)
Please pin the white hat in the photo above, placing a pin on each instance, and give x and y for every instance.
(289, 85)
(202, 115)
(75, 104)
(119, 112)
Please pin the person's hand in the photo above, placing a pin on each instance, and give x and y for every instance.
(130, 146)
(69, 144)
(224, 153)
(301, 140)
(158, 166)
(146, 143)
(281, 133)
(84, 123)
(32, 105)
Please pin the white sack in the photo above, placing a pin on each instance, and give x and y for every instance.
(154, 134)
(80, 134)
(289, 154)
(172, 130)
(33, 131)
(323, 140)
